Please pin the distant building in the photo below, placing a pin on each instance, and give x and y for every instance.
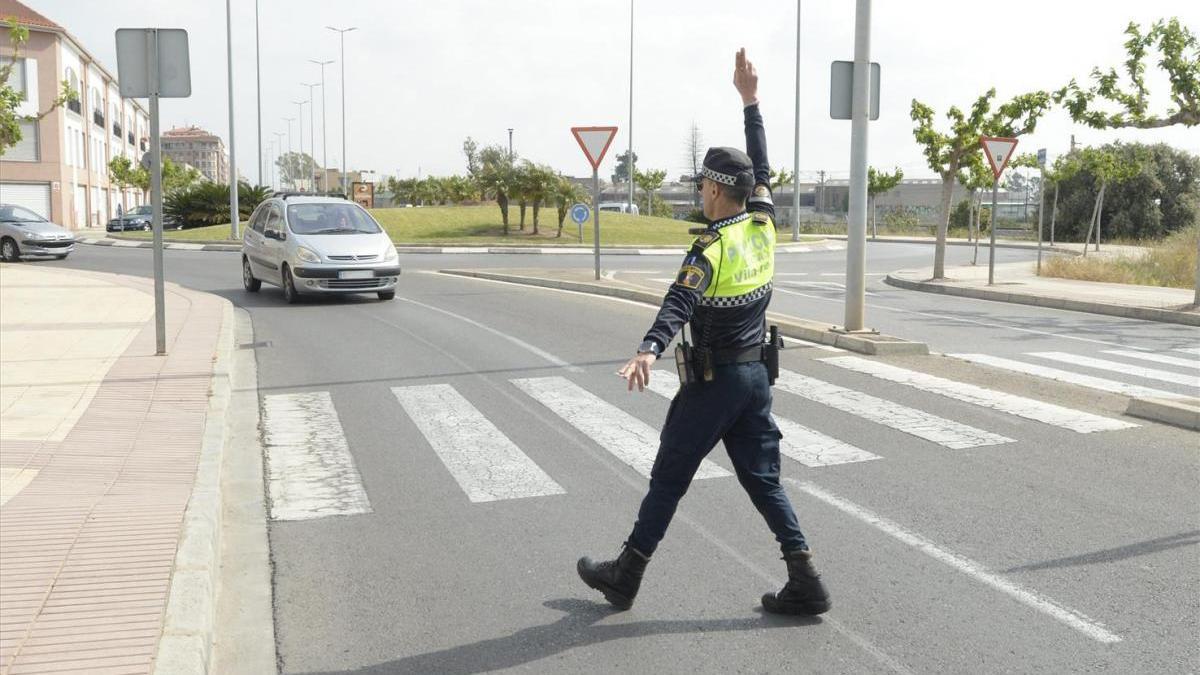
(59, 169)
(199, 148)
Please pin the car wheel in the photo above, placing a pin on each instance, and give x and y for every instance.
(387, 295)
(252, 285)
(9, 251)
(290, 295)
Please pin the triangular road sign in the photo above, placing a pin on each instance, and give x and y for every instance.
(998, 151)
(594, 141)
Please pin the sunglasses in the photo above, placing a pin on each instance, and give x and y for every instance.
(699, 183)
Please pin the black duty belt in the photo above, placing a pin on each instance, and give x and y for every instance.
(723, 357)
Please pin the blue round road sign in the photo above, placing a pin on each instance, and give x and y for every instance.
(580, 213)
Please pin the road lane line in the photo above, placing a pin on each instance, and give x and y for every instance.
(1157, 358)
(487, 465)
(944, 432)
(1137, 371)
(1100, 383)
(1048, 413)
(1189, 350)
(629, 439)
(310, 471)
(515, 340)
(807, 446)
(971, 568)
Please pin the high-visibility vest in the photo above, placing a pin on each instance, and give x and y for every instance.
(742, 260)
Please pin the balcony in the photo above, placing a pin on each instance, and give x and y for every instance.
(116, 130)
(130, 138)
(75, 107)
(98, 118)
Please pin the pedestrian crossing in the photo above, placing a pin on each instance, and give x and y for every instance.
(1190, 381)
(1113, 366)
(312, 472)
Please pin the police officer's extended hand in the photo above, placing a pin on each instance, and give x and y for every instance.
(745, 78)
(637, 370)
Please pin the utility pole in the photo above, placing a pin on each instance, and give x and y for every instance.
(630, 163)
(324, 137)
(510, 150)
(258, 89)
(300, 135)
(342, 34)
(856, 234)
(233, 174)
(796, 155)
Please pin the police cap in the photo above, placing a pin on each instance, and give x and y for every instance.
(728, 166)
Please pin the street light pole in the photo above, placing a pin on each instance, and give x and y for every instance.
(233, 175)
(796, 156)
(856, 240)
(342, 34)
(300, 132)
(289, 120)
(258, 90)
(510, 152)
(630, 156)
(324, 137)
(312, 140)
(278, 151)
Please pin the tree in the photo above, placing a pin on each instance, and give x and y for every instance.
(621, 172)
(296, 166)
(498, 178)
(693, 157)
(540, 182)
(649, 181)
(565, 194)
(947, 153)
(176, 176)
(474, 163)
(877, 184)
(1180, 61)
(123, 172)
(780, 178)
(11, 100)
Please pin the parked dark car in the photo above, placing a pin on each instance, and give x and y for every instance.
(24, 234)
(139, 218)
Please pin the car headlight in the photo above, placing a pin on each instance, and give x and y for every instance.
(390, 254)
(306, 255)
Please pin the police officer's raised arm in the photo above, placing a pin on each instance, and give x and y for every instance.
(745, 79)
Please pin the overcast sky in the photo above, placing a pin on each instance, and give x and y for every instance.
(422, 76)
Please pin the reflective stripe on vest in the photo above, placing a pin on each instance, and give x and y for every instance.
(743, 262)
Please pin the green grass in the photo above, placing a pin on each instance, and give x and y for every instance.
(1170, 262)
(482, 226)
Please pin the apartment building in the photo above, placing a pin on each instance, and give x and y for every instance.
(203, 150)
(60, 167)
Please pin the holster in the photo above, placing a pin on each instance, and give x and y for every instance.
(685, 363)
(771, 354)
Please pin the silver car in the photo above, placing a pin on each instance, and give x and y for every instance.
(25, 234)
(317, 245)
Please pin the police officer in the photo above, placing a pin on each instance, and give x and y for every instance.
(723, 289)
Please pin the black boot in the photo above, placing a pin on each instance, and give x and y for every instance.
(618, 579)
(803, 593)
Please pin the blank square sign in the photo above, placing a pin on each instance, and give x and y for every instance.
(174, 66)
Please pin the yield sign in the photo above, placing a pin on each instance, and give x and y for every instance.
(594, 141)
(998, 151)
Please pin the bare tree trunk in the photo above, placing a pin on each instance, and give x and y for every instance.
(502, 201)
(939, 251)
(1100, 214)
(1095, 212)
(522, 204)
(978, 227)
(874, 229)
(537, 206)
(1053, 213)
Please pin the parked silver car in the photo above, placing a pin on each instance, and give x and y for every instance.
(317, 245)
(25, 234)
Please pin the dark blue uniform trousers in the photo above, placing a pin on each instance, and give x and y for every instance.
(735, 407)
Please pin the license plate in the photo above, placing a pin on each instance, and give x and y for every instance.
(356, 274)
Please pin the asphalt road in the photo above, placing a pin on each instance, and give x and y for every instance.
(1047, 550)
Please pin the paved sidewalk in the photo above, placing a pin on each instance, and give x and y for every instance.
(1018, 283)
(99, 445)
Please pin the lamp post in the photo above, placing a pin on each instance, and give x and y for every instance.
(312, 142)
(324, 138)
(300, 132)
(258, 92)
(233, 175)
(289, 120)
(342, 34)
(510, 152)
(278, 151)
(630, 156)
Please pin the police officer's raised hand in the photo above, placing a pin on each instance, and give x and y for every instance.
(745, 78)
(637, 370)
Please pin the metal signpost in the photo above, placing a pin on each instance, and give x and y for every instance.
(998, 151)
(580, 213)
(153, 63)
(1041, 159)
(595, 141)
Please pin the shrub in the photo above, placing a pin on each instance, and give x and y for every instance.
(208, 203)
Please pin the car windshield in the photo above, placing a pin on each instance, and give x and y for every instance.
(141, 211)
(330, 218)
(19, 214)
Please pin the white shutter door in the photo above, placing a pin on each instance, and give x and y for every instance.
(33, 196)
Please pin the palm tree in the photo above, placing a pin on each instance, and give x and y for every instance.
(565, 193)
(540, 184)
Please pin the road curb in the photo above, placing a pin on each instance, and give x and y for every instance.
(1110, 309)
(793, 327)
(466, 250)
(1179, 412)
(1031, 246)
(186, 643)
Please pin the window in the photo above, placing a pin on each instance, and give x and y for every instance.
(26, 149)
(16, 78)
(75, 106)
(259, 218)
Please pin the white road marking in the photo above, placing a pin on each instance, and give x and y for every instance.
(791, 274)
(13, 480)
(1100, 383)
(310, 472)
(807, 446)
(911, 421)
(515, 340)
(971, 568)
(1048, 413)
(629, 439)
(1189, 350)
(1157, 358)
(487, 465)
(1137, 371)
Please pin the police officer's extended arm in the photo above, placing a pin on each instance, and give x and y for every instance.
(745, 79)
